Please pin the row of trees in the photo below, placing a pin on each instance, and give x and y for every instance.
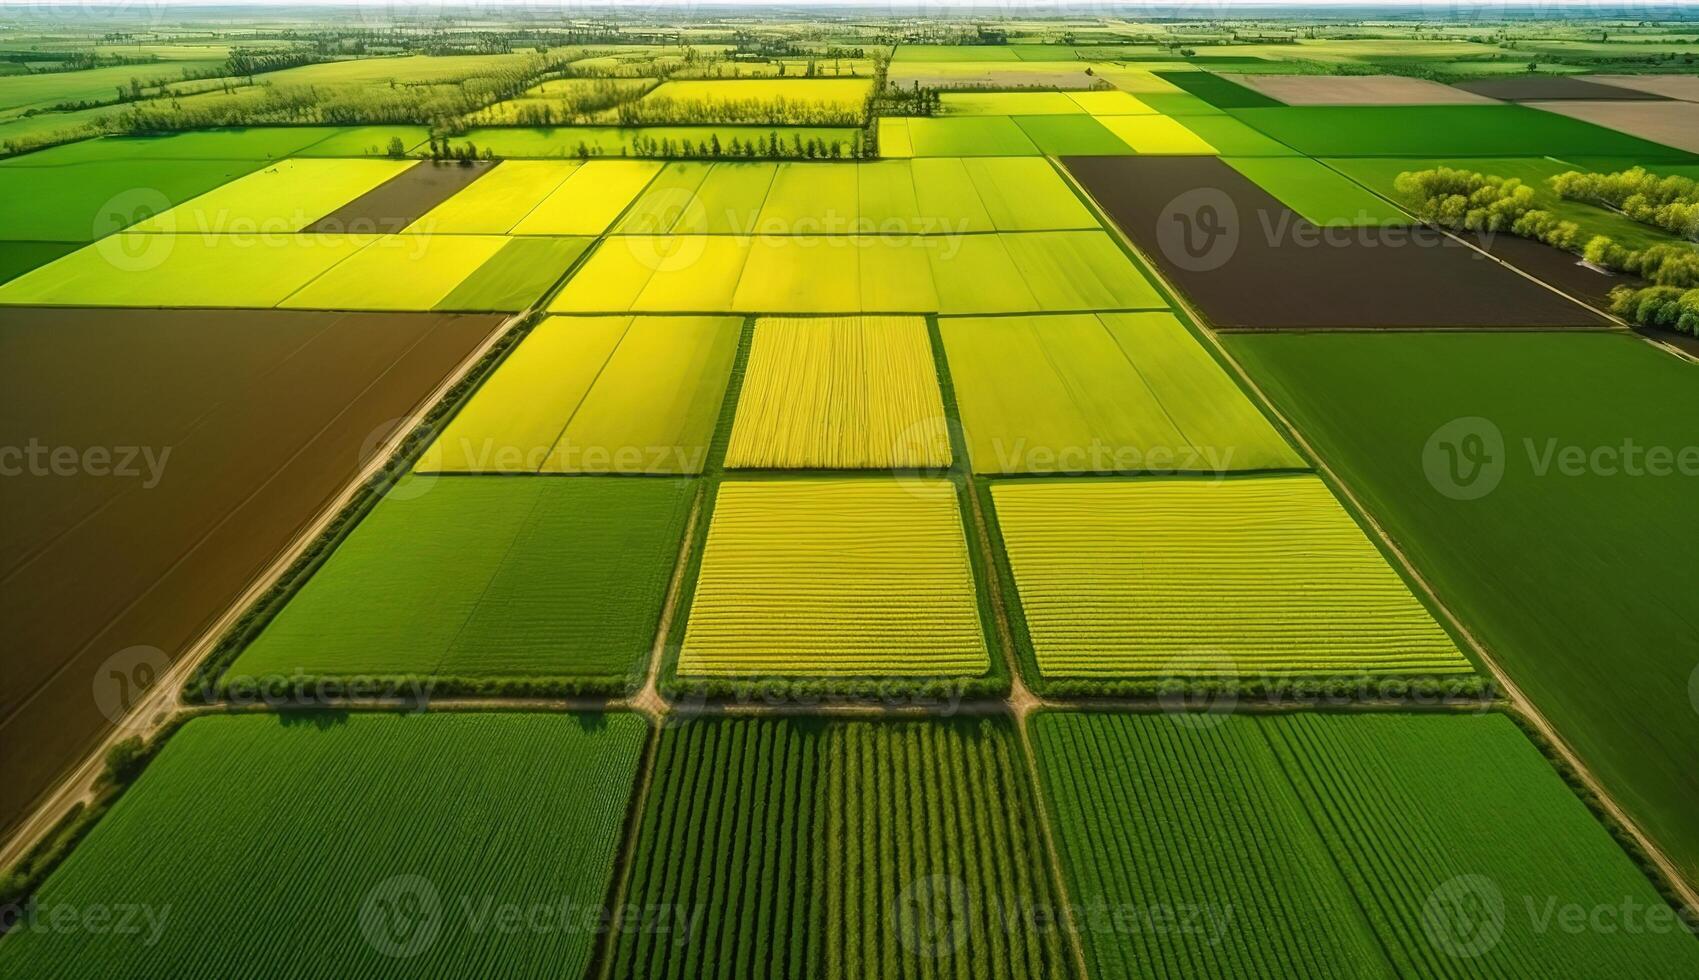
(772, 111)
(1668, 203)
(772, 147)
(1470, 201)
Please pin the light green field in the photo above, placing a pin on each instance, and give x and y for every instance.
(398, 272)
(368, 141)
(47, 89)
(624, 395)
(1061, 271)
(953, 137)
(888, 198)
(183, 270)
(1249, 578)
(338, 800)
(500, 199)
(284, 197)
(1322, 195)
(417, 68)
(488, 577)
(855, 577)
(1111, 392)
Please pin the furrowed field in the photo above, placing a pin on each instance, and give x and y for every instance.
(322, 843)
(843, 848)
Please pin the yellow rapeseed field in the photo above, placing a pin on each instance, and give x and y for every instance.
(1186, 577)
(848, 392)
(852, 577)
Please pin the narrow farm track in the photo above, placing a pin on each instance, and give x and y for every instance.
(1516, 699)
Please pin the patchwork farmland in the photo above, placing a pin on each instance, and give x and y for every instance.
(1060, 496)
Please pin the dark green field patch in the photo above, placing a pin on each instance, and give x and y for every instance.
(1461, 130)
(1519, 474)
(814, 848)
(516, 276)
(17, 258)
(1217, 91)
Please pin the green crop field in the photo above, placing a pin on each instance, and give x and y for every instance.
(843, 849)
(256, 840)
(1321, 194)
(1327, 845)
(1461, 130)
(1114, 392)
(1545, 604)
(487, 578)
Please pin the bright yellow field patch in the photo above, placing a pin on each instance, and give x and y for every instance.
(894, 140)
(589, 200)
(616, 394)
(654, 405)
(1164, 577)
(500, 199)
(840, 393)
(285, 197)
(1110, 103)
(1156, 134)
(398, 272)
(183, 270)
(1138, 81)
(859, 577)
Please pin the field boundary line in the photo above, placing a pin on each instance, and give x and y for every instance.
(160, 703)
(1518, 701)
(602, 953)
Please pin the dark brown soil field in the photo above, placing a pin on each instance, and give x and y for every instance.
(1246, 261)
(155, 461)
(1557, 267)
(1543, 87)
(402, 199)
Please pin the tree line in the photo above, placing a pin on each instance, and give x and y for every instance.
(1470, 201)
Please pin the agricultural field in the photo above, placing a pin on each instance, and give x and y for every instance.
(202, 840)
(1276, 854)
(1256, 578)
(840, 393)
(843, 848)
(848, 577)
(614, 394)
(1544, 604)
(1043, 494)
(483, 577)
(1110, 392)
